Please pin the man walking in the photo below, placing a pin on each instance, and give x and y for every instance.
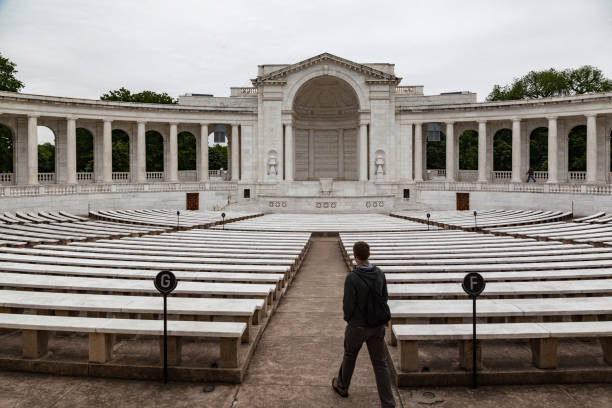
(530, 175)
(366, 313)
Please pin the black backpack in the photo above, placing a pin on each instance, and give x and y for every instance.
(376, 311)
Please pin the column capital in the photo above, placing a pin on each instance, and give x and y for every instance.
(173, 122)
(33, 115)
(141, 122)
(481, 121)
(364, 122)
(516, 119)
(204, 124)
(288, 123)
(418, 123)
(71, 117)
(107, 120)
(553, 117)
(449, 122)
(590, 115)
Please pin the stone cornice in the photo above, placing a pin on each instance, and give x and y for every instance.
(321, 58)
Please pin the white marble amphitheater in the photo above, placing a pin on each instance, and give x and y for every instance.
(323, 153)
(324, 134)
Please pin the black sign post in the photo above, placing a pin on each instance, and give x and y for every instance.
(165, 282)
(223, 216)
(428, 215)
(473, 284)
(178, 219)
(475, 214)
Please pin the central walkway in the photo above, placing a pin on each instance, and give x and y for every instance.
(302, 346)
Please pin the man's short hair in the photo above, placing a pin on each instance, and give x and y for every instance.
(361, 250)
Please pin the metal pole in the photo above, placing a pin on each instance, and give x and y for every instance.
(474, 348)
(165, 340)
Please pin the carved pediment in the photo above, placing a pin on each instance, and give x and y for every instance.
(279, 76)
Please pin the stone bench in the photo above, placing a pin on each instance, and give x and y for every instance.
(9, 235)
(242, 310)
(35, 334)
(492, 267)
(543, 275)
(222, 251)
(136, 286)
(543, 337)
(504, 289)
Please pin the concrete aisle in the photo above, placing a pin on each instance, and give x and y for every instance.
(302, 346)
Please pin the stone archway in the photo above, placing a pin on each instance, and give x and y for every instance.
(326, 123)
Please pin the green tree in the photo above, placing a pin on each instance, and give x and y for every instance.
(547, 83)
(46, 158)
(125, 95)
(186, 151)
(217, 157)
(436, 153)
(8, 82)
(538, 149)
(84, 150)
(576, 147)
(502, 150)
(155, 151)
(121, 151)
(468, 150)
(6, 150)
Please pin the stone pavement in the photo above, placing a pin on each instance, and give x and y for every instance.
(293, 365)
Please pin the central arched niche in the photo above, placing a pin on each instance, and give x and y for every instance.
(325, 124)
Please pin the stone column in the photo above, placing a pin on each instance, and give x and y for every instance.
(418, 151)
(289, 153)
(71, 177)
(553, 151)
(483, 177)
(311, 155)
(363, 152)
(451, 155)
(591, 150)
(517, 175)
(172, 174)
(235, 153)
(202, 151)
(140, 174)
(341, 154)
(405, 154)
(107, 152)
(32, 156)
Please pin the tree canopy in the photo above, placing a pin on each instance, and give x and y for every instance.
(8, 82)
(125, 95)
(547, 83)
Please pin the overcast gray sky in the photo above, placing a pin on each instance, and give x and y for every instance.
(85, 48)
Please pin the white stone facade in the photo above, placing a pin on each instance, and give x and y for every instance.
(322, 118)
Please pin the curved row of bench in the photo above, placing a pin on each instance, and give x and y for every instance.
(170, 218)
(105, 289)
(540, 291)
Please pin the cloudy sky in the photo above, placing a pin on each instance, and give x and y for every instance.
(84, 48)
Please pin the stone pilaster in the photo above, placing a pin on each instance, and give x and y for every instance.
(71, 177)
(517, 175)
(32, 150)
(202, 153)
(172, 172)
(418, 151)
(289, 153)
(553, 151)
(451, 154)
(140, 173)
(235, 153)
(363, 152)
(483, 177)
(341, 154)
(107, 152)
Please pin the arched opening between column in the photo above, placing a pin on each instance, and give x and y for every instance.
(84, 155)
(538, 153)
(186, 145)
(436, 156)
(218, 152)
(468, 155)
(576, 153)
(46, 155)
(7, 158)
(120, 155)
(502, 155)
(155, 155)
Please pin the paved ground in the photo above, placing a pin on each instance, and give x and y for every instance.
(293, 365)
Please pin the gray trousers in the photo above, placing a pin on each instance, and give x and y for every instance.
(374, 337)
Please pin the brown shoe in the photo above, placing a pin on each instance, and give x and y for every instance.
(343, 392)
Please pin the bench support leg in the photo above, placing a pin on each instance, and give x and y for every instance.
(246, 336)
(465, 355)
(544, 353)
(34, 343)
(390, 336)
(229, 350)
(175, 348)
(409, 355)
(606, 347)
(100, 347)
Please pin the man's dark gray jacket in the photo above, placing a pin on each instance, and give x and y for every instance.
(356, 291)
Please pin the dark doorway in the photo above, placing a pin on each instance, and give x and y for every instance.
(193, 201)
(463, 201)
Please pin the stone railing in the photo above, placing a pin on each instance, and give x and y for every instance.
(539, 175)
(566, 188)
(431, 173)
(121, 176)
(85, 177)
(46, 178)
(6, 178)
(467, 175)
(409, 90)
(96, 188)
(579, 176)
(243, 91)
(155, 175)
(502, 175)
(187, 175)
(221, 174)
